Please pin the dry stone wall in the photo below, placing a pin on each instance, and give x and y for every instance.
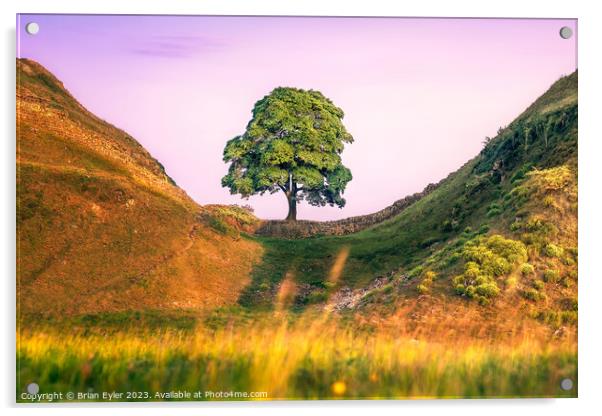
(305, 229)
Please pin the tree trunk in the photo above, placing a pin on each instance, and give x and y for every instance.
(291, 196)
(292, 207)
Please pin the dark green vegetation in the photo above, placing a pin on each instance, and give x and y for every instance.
(292, 144)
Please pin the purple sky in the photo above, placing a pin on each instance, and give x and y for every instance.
(419, 95)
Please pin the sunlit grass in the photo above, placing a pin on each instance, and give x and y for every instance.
(319, 359)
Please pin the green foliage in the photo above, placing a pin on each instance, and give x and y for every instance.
(416, 271)
(426, 282)
(551, 276)
(487, 258)
(550, 180)
(220, 226)
(534, 139)
(539, 285)
(476, 184)
(423, 289)
(451, 215)
(483, 229)
(450, 225)
(494, 210)
(293, 143)
(557, 318)
(453, 259)
(244, 215)
(488, 289)
(317, 296)
(552, 250)
(527, 269)
(542, 185)
(550, 202)
(533, 294)
(520, 173)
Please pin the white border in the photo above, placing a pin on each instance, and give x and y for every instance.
(590, 28)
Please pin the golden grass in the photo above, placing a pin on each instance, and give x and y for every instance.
(312, 359)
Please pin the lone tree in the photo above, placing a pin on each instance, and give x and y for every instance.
(292, 144)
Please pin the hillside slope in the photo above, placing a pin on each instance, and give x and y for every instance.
(496, 241)
(100, 225)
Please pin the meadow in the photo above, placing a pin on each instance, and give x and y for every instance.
(291, 357)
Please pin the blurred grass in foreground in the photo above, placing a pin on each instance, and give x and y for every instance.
(302, 360)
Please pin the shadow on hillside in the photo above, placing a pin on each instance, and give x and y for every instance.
(294, 274)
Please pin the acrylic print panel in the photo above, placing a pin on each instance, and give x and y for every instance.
(268, 208)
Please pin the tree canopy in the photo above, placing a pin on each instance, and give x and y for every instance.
(292, 144)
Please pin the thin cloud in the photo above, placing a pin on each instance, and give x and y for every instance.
(182, 46)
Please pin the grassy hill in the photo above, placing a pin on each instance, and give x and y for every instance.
(500, 232)
(471, 291)
(100, 225)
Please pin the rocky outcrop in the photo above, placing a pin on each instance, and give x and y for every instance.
(305, 229)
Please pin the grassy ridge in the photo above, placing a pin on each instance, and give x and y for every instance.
(481, 198)
(101, 227)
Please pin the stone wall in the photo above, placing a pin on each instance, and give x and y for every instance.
(304, 229)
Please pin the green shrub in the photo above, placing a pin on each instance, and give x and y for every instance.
(551, 276)
(427, 242)
(550, 317)
(532, 294)
(416, 271)
(567, 260)
(511, 250)
(549, 202)
(516, 225)
(449, 225)
(317, 296)
(538, 284)
(494, 210)
(220, 226)
(549, 180)
(483, 300)
(487, 258)
(568, 317)
(427, 280)
(555, 319)
(520, 173)
(453, 259)
(534, 224)
(460, 289)
(387, 288)
(488, 289)
(423, 289)
(328, 285)
(527, 269)
(429, 275)
(551, 250)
